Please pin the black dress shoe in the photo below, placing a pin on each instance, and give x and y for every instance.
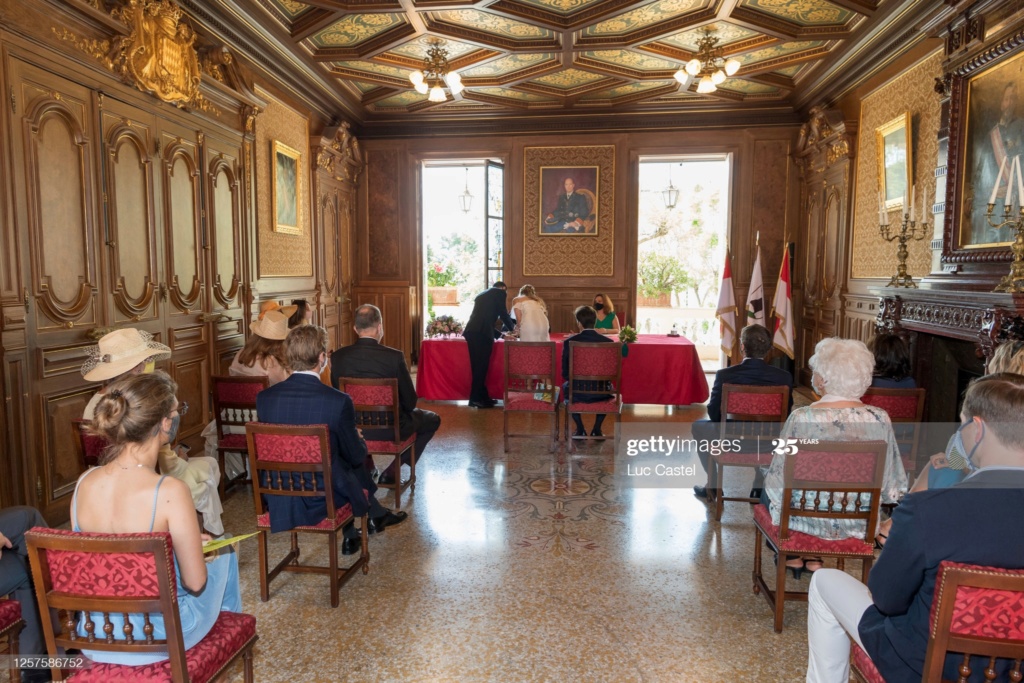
(700, 491)
(481, 404)
(36, 676)
(755, 493)
(596, 433)
(379, 524)
(580, 433)
(351, 546)
(386, 479)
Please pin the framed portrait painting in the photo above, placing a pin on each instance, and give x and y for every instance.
(287, 169)
(993, 137)
(569, 200)
(895, 165)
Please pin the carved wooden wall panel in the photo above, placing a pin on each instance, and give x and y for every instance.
(394, 305)
(54, 158)
(382, 254)
(224, 215)
(182, 224)
(61, 467)
(131, 237)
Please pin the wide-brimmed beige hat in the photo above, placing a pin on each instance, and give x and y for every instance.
(268, 306)
(271, 325)
(120, 351)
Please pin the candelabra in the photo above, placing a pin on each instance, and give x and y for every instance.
(1014, 281)
(908, 231)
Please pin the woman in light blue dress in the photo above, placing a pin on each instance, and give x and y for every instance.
(125, 495)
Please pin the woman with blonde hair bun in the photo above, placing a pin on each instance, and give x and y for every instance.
(531, 315)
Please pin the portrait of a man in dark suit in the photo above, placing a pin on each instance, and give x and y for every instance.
(572, 207)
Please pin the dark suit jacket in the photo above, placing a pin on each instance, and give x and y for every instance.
(368, 358)
(753, 372)
(305, 400)
(975, 522)
(488, 306)
(588, 337)
(889, 383)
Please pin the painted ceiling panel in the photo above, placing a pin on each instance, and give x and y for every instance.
(748, 87)
(417, 48)
(493, 24)
(372, 68)
(725, 32)
(645, 16)
(632, 60)
(512, 94)
(290, 8)
(507, 65)
(623, 90)
(568, 79)
(780, 51)
(563, 7)
(402, 99)
(802, 12)
(353, 29)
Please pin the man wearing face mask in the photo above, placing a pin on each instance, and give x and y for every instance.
(128, 351)
(975, 522)
(303, 399)
(368, 358)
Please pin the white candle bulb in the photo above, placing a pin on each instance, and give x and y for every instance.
(999, 178)
(1009, 188)
(912, 191)
(1020, 180)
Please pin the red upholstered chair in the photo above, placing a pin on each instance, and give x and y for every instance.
(234, 404)
(377, 408)
(902, 405)
(11, 624)
(126, 574)
(744, 409)
(279, 456)
(828, 473)
(622, 318)
(531, 370)
(89, 447)
(976, 611)
(601, 365)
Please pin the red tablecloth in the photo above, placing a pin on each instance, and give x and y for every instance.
(659, 369)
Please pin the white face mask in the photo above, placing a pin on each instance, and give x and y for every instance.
(323, 365)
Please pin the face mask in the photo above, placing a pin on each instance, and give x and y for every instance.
(149, 368)
(323, 366)
(172, 433)
(956, 452)
(598, 307)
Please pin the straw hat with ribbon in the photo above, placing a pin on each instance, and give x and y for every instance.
(119, 352)
(267, 306)
(271, 324)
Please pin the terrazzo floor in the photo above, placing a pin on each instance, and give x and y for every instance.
(529, 566)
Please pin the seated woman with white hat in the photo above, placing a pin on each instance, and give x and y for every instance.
(127, 352)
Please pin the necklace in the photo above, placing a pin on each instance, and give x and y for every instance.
(127, 468)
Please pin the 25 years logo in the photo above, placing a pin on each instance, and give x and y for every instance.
(784, 446)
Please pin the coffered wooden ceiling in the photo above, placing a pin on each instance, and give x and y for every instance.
(569, 56)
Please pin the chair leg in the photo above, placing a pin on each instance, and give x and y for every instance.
(554, 431)
(247, 663)
(780, 592)
(719, 490)
(398, 481)
(412, 467)
(504, 430)
(365, 550)
(222, 484)
(332, 549)
(757, 560)
(264, 568)
(866, 569)
(12, 646)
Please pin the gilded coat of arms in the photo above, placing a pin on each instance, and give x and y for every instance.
(159, 55)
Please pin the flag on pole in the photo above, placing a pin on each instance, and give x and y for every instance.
(726, 311)
(755, 297)
(782, 309)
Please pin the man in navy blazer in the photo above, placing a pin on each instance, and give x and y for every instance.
(975, 522)
(586, 318)
(303, 399)
(368, 358)
(756, 342)
(488, 307)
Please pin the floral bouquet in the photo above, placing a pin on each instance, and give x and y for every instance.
(627, 335)
(443, 326)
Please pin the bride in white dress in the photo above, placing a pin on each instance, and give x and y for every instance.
(531, 315)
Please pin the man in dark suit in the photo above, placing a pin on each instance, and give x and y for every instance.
(975, 522)
(488, 307)
(371, 359)
(303, 399)
(16, 579)
(586, 318)
(756, 342)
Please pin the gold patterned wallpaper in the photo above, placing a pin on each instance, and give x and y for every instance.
(912, 91)
(279, 254)
(569, 255)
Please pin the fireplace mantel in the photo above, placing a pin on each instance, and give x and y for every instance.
(987, 318)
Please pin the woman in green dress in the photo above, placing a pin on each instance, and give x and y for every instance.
(607, 321)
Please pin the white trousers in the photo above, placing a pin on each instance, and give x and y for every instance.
(835, 603)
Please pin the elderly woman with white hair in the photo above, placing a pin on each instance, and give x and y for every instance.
(842, 372)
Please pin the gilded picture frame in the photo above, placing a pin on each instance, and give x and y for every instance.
(286, 207)
(895, 162)
(993, 131)
(569, 201)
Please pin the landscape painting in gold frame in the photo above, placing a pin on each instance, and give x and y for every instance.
(895, 162)
(286, 207)
(994, 131)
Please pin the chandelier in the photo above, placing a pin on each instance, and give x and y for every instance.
(709, 66)
(435, 74)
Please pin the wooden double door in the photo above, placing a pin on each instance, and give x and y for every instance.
(122, 215)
